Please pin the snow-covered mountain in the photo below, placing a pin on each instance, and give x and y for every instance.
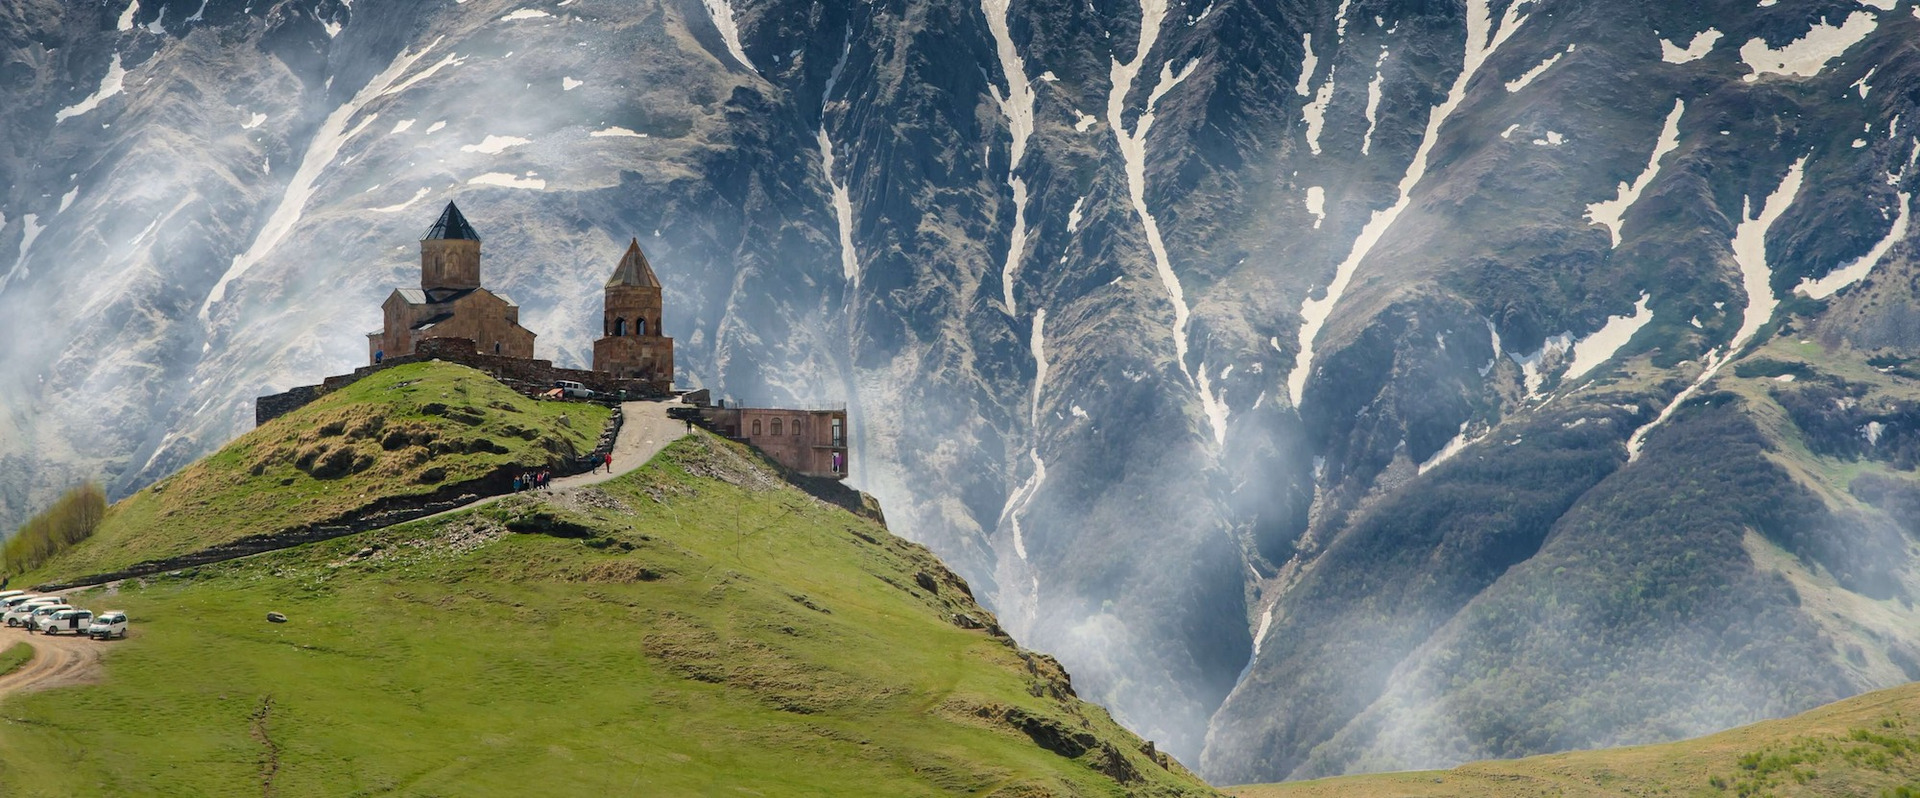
(1331, 385)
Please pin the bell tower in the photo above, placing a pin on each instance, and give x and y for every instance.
(450, 253)
(632, 345)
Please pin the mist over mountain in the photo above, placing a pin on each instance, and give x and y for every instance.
(1331, 386)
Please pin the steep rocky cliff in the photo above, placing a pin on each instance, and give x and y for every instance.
(1331, 385)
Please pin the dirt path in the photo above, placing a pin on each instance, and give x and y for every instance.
(57, 661)
(644, 431)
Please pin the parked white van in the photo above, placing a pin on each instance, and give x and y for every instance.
(7, 594)
(17, 614)
(112, 623)
(41, 613)
(10, 602)
(75, 621)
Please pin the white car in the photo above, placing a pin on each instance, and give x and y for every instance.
(7, 594)
(10, 602)
(41, 613)
(75, 621)
(17, 614)
(112, 623)
(574, 389)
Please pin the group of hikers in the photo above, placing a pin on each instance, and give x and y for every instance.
(536, 480)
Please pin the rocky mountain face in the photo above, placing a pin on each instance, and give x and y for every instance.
(1332, 386)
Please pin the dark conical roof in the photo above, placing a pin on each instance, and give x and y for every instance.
(634, 269)
(452, 225)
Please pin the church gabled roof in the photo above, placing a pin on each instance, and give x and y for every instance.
(634, 269)
(452, 225)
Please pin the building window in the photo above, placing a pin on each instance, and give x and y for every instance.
(619, 327)
(642, 327)
(756, 428)
(796, 426)
(839, 433)
(496, 347)
(776, 427)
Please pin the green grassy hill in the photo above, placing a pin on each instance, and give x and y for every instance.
(697, 627)
(407, 430)
(1867, 746)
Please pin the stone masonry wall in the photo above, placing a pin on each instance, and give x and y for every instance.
(522, 374)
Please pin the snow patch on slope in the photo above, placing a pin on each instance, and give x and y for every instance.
(1017, 106)
(504, 180)
(110, 85)
(30, 227)
(1373, 101)
(321, 150)
(1611, 213)
(1858, 270)
(1483, 39)
(722, 13)
(1696, 49)
(1133, 150)
(1316, 205)
(1515, 85)
(1806, 56)
(494, 145)
(1756, 277)
(1604, 343)
(837, 190)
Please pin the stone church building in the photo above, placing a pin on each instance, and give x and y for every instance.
(450, 302)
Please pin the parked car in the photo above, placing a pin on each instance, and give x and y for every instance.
(17, 614)
(574, 389)
(75, 621)
(112, 623)
(7, 594)
(41, 613)
(10, 602)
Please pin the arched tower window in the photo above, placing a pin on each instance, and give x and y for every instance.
(756, 428)
(619, 327)
(643, 326)
(776, 427)
(796, 426)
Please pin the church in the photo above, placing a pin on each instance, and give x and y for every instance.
(452, 305)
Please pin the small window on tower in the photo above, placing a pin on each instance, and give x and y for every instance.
(776, 427)
(642, 327)
(756, 428)
(619, 327)
(796, 426)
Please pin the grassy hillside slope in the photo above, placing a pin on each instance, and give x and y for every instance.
(697, 627)
(1868, 746)
(404, 431)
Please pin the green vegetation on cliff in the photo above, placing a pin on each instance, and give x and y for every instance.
(404, 431)
(696, 627)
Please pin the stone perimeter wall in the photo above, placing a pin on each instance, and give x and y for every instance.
(522, 374)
